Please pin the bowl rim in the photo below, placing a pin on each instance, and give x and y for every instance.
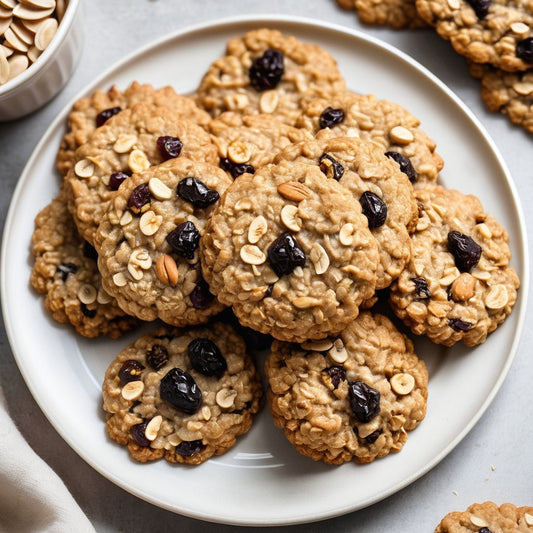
(34, 69)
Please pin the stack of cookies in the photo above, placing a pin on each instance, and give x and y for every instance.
(495, 36)
(279, 198)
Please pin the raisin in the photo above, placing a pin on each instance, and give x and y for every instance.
(524, 50)
(138, 432)
(459, 325)
(117, 178)
(331, 167)
(131, 370)
(89, 251)
(180, 390)
(64, 269)
(105, 115)
(201, 297)
(169, 147)
(364, 401)
(184, 239)
(285, 254)
(187, 448)
(374, 208)
(235, 169)
(330, 117)
(157, 356)
(421, 288)
(266, 71)
(194, 191)
(206, 357)
(484, 530)
(337, 374)
(139, 197)
(89, 313)
(465, 250)
(481, 7)
(405, 165)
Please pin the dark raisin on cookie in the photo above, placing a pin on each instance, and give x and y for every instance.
(405, 165)
(330, 117)
(180, 390)
(364, 401)
(465, 250)
(106, 114)
(421, 288)
(130, 370)
(235, 169)
(197, 193)
(374, 208)
(266, 71)
(157, 356)
(285, 254)
(331, 167)
(184, 239)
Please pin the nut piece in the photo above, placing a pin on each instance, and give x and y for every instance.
(338, 352)
(252, 255)
(167, 270)
(401, 135)
(159, 190)
(126, 218)
(529, 519)
(87, 294)
(152, 428)
(523, 88)
(519, 28)
(141, 258)
(257, 229)
(402, 383)
(477, 521)
(347, 234)
(497, 297)
(463, 287)
(225, 398)
(84, 168)
(240, 152)
(454, 4)
(205, 412)
(132, 390)
(150, 223)
(320, 258)
(124, 143)
(45, 33)
(137, 161)
(294, 190)
(290, 218)
(119, 279)
(269, 101)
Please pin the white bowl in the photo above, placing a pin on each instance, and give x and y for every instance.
(43, 79)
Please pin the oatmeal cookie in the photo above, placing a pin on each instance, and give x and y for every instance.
(348, 114)
(496, 32)
(398, 14)
(458, 284)
(65, 271)
(91, 112)
(247, 142)
(384, 192)
(266, 71)
(510, 93)
(353, 397)
(148, 240)
(290, 251)
(184, 395)
(129, 142)
(486, 517)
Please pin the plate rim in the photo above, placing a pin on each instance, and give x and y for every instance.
(225, 23)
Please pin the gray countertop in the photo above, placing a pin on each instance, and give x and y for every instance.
(494, 461)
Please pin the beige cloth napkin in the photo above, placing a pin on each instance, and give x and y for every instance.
(32, 497)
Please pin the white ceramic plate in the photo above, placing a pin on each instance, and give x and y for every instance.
(262, 480)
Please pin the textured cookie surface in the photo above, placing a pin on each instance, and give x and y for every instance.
(458, 284)
(148, 241)
(91, 112)
(184, 395)
(128, 143)
(353, 397)
(496, 32)
(247, 142)
(266, 71)
(367, 117)
(291, 251)
(376, 182)
(397, 14)
(487, 516)
(65, 271)
(510, 93)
